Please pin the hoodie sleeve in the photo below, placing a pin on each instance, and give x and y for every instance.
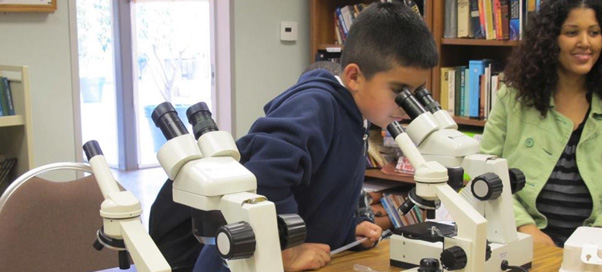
(286, 146)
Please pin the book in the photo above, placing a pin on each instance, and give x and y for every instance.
(444, 88)
(465, 98)
(477, 68)
(9, 96)
(514, 24)
(450, 30)
(489, 22)
(497, 16)
(505, 7)
(464, 19)
(3, 101)
(451, 91)
(458, 89)
(475, 20)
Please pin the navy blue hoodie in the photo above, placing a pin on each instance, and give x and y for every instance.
(308, 156)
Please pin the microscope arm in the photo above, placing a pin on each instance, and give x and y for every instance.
(121, 216)
(431, 184)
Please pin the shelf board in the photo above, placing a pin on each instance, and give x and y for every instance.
(479, 42)
(460, 120)
(330, 47)
(13, 120)
(377, 173)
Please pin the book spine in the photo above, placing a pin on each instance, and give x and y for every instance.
(451, 92)
(463, 19)
(9, 96)
(514, 24)
(489, 22)
(505, 6)
(3, 105)
(466, 93)
(451, 22)
(497, 15)
(475, 20)
(458, 90)
(477, 68)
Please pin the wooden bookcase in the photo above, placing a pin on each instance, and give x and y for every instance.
(452, 52)
(16, 130)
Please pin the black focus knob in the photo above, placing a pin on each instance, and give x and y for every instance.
(517, 179)
(487, 186)
(235, 241)
(453, 258)
(291, 229)
(429, 265)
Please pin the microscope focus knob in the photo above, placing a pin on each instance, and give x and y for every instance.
(291, 229)
(429, 265)
(235, 241)
(453, 258)
(487, 186)
(517, 179)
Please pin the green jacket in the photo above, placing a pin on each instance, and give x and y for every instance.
(534, 144)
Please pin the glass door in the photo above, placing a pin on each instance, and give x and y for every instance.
(172, 60)
(163, 50)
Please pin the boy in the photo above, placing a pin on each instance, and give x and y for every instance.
(308, 152)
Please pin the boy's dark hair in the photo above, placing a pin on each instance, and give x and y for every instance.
(531, 69)
(385, 34)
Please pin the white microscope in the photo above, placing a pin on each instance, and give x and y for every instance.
(120, 211)
(227, 211)
(491, 188)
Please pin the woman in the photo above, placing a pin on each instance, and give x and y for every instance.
(547, 120)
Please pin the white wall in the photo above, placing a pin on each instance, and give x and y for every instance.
(41, 41)
(263, 65)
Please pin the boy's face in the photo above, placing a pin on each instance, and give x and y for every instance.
(375, 97)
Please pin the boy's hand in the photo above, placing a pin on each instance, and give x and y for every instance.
(370, 230)
(539, 237)
(306, 256)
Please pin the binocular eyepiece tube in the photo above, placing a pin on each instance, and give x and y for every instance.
(409, 104)
(166, 118)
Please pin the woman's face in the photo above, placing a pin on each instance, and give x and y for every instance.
(580, 42)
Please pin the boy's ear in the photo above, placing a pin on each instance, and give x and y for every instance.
(352, 77)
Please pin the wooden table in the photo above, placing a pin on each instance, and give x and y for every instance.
(545, 259)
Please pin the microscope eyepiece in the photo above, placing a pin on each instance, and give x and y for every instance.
(91, 149)
(166, 118)
(395, 129)
(409, 104)
(199, 116)
(426, 99)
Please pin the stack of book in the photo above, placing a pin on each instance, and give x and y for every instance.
(7, 106)
(469, 90)
(487, 19)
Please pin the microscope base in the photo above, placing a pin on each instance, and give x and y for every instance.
(407, 253)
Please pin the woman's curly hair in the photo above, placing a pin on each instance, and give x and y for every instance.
(531, 68)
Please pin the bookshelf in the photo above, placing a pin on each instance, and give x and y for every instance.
(322, 31)
(453, 52)
(16, 130)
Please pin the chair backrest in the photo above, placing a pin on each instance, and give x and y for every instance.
(51, 226)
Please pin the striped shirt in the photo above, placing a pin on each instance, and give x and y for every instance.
(565, 200)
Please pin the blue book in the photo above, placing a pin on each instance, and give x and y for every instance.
(3, 105)
(514, 24)
(477, 68)
(9, 96)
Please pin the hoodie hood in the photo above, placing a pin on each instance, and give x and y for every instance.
(318, 79)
